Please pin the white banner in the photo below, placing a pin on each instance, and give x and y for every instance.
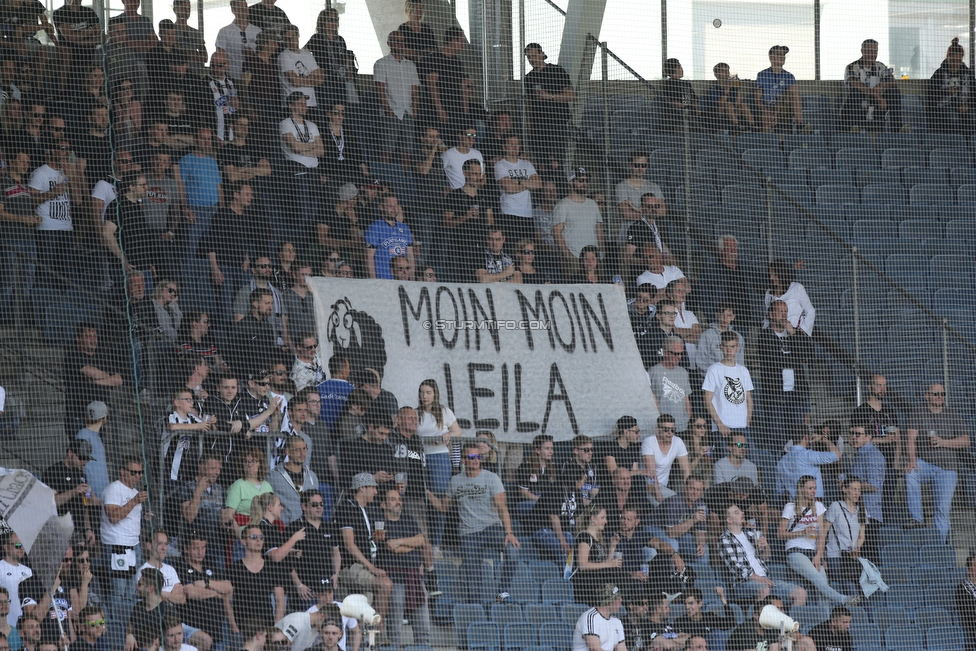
(518, 360)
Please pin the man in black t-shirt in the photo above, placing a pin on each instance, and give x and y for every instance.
(206, 589)
(835, 633)
(88, 372)
(72, 494)
(494, 265)
(319, 549)
(881, 419)
(582, 458)
(553, 519)
(150, 609)
(550, 91)
(356, 522)
(408, 450)
(370, 454)
(443, 77)
(622, 451)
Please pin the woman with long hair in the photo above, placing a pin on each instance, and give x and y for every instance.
(591, 269)
(337, 61)
(437, 427)
(783, 287)
(948, 99)
(266, 514)
(536, 474)
(845, 534)
(83, 591)
(489, 454)
(525, 254)
(594, 564)
(802, 527)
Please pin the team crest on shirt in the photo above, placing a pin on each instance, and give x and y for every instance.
(733, 391)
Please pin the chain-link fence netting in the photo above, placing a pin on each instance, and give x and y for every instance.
(494, 313)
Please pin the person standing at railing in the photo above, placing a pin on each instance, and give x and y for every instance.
(549, 91)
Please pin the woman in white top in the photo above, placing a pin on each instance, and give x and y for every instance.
(782, 287)
(845, 533)
(685, 322)
(802, 527)
(659, 452)
(436, 429)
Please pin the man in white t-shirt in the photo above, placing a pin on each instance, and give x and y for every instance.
(659, 453)
(299, 71)
(398, 88)
(235, 39)
(516, 178)
(597, 629)
(156, 548)
(55, 234)
(576, 222)
(121, 521)
(301, 141)
(658, 273)
(13, 573)
(302, 628)
(454, 157)
(727, 390)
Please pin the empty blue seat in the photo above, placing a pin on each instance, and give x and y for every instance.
(874, 177)
(903, 554)
(885, 193)
(464, 616)
(931, 141)
(929, 616)
(900, 158)
(842, 140)
(837, 193)
(667, 158)
(952, 271)
(802, 194)
(786, 176)
(558, 635)
(920, 229)
(744, 194)
(857, 158)
(747, 141)
(804, 141)
(929, 193)
(950, 158)
(915, 175)
(871, 229)
(960, 176)
(825, 175)
(866, 636)
(764, 158)
(714, 158)
(504, 614)
(570, 613)
(903, 638)
(484, 635)
(544, 570)
(539, 614)
(889, 616)
(947, 300)
(557, 591)
(908, 270)
(966, 194)
(902, 594)
(941, 555)
(963, 230)
(518, 636)
(944, 638)
(805, 159)
(524, 591)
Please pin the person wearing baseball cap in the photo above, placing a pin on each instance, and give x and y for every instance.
(357, 525)
(549, 91)
(576, 221)
(324, 591)
(96, 470)
(599, 625)
(72, 492)
(777, 94)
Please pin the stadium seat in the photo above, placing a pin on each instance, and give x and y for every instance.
(751, 194)
(902, 594)
(569, 613)
(806, 159)
(857, 158)
(929, 193)
(503, 614)
(961, 230)
(903, 638)
(885, 193)
(517, 636)
(945, 638)
(966, 193)
(929, 616)
(784, 176)
(809, 616)
(539, 614)
(544, 570)
(764, 158)
(484, 635)
(746, 141)
(904, 554)
(557, 635)
(933, 141)
(803, 141)
(871, 230)
(866, 636)
(826, 175)
(901, 158)
(714, 158)
(952, 271)
(669, 158)
(950, 158)
(836, 193)
(464, 616)
(888, 616)
(524, 591)
(924, 536)
(874, 177)
(920, 229)
(940, 555)
(557, 591)
(898, 141)
(843, 140)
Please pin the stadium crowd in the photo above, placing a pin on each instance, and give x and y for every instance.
(141, 167)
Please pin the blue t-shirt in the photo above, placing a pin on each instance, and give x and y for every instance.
(774, 84)
(333, 393)
(389, 241)
(201, 180)
(96, 470)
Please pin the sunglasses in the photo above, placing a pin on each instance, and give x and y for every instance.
(96, 622)
(281, 372)
(262, 266)
(256, 536)
(528, 251)
(474, 456)
(263, 383)
(172, 290)
(741, 445)
(317, 505)
(471, 135)
(134, 472)
(18, 545)
(640, 166)
(938, 394)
